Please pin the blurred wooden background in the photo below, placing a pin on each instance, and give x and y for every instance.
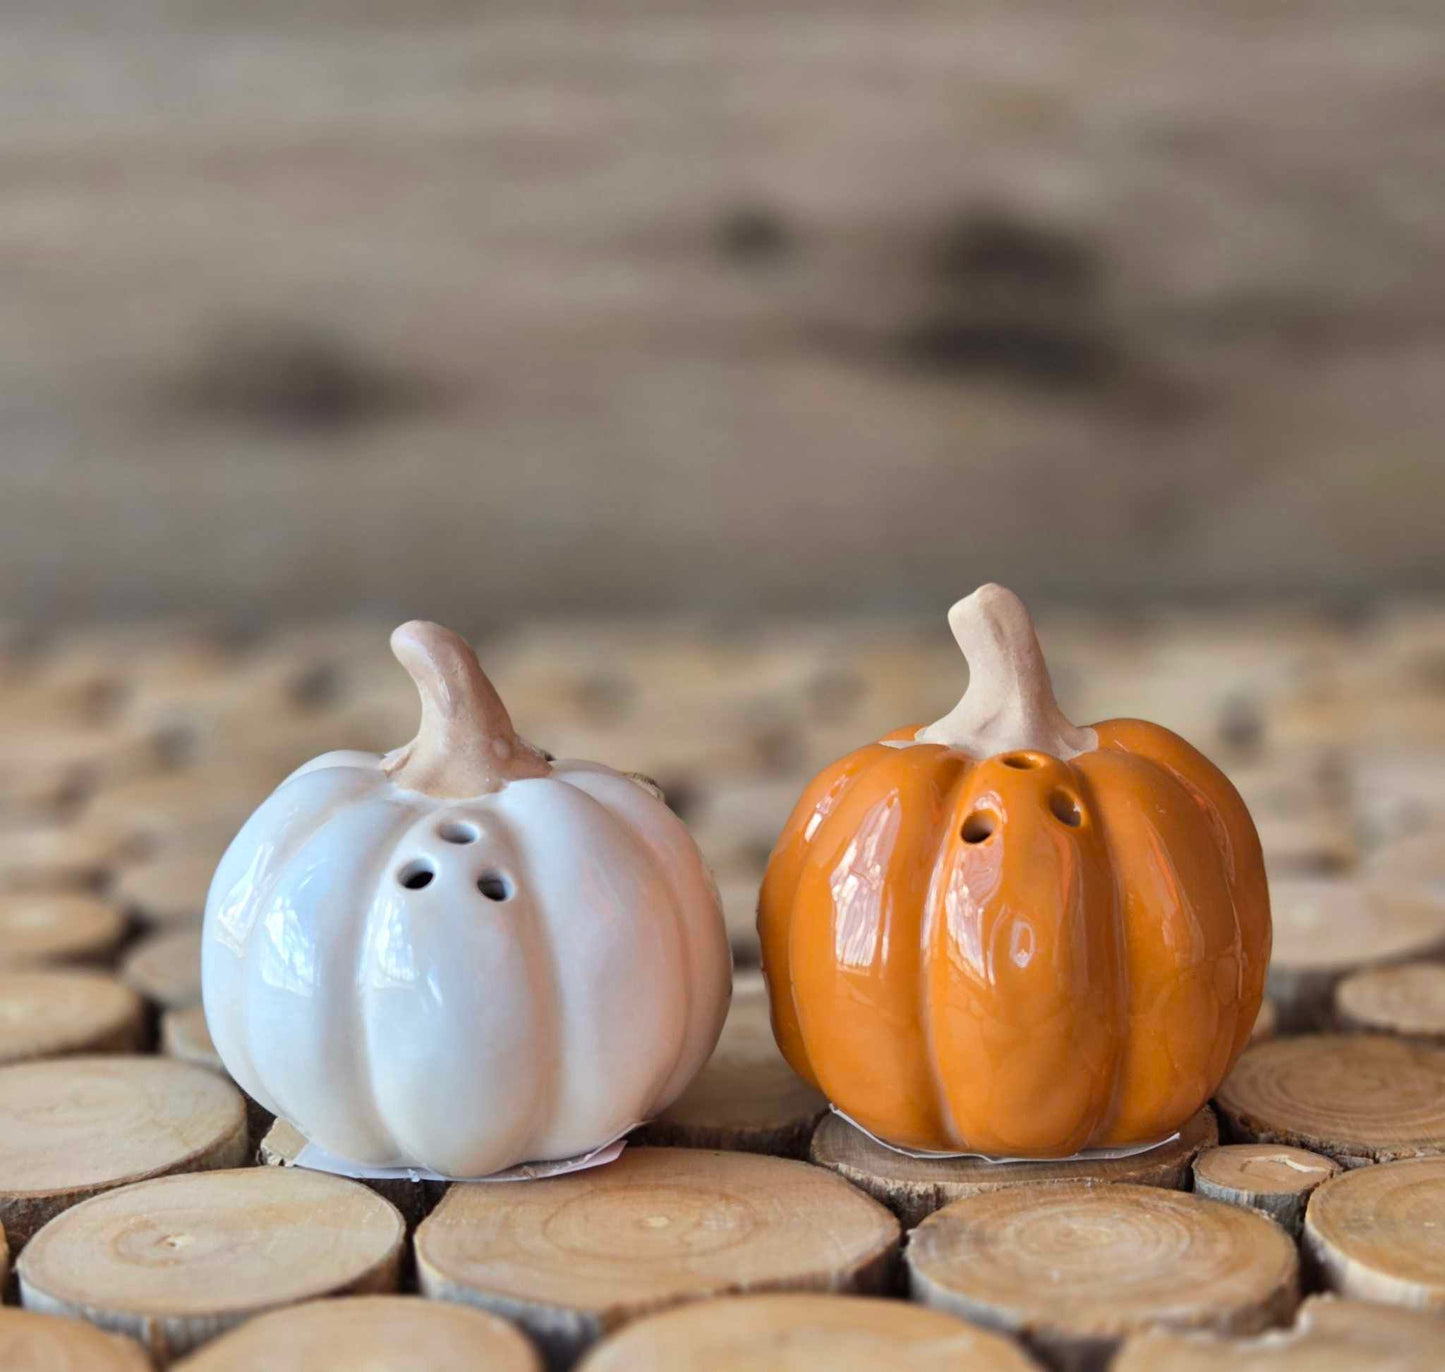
(482, 310)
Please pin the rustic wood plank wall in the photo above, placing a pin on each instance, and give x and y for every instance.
(492, 309)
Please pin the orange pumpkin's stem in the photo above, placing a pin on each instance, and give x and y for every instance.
(466, 745)
(1009, 704)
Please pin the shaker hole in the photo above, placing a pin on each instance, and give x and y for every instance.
(416, 875)
(1022, 762)
(978, 826)
(1066, 809)
(494, 885)
(458, 831)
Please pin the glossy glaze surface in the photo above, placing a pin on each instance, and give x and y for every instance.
(463, 983)
(1017, 954)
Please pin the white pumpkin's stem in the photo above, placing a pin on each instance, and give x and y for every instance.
(466, 745)
(1009, 705)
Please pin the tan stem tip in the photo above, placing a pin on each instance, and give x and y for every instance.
(1009, 704)
(465, 745)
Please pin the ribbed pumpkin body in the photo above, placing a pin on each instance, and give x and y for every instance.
(443, 1027)
(1017, 955)
(463, 955)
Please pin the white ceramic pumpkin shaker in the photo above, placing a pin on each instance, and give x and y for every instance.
(462, 955)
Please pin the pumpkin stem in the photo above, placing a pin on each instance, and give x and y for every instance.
(1009, 704)
(466, 745)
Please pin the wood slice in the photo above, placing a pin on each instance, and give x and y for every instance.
(914, 1188)
(1282, 785)
(572, 1257)
(1415, 863)
(380, 1332)
(254, 738)
(1398, 794)
(184, 1035)
(58, 928)
(75, 1127)
(176, 1260)
(1266, 1023)
(1407, 1000)
(1270, 1178)
(45, 768)
(345, 652)
(1356, 1097)
(740, 913)
(166, 968)
(31, 1342)
(737, 824)
(169, 889)
(1307, 844)
(746, 1097)
(1379, 1233)
(112, 660)
(282, 1143)
(1324, 930)
(46, 1014)
(1075, 1269)
(840, 1333)
(58, 857)
(179, 808)
(1330, 1335)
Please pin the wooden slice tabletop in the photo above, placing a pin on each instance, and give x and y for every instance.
(915, 1187)
(31, 1342)
(1355, 1097)
(45, 1013)
(281, 1144)
(46, 928)
(43, 769)
(1337, 924)
(1307, 843)
(1329, 1335)
(1416, 862)
(737, 822)
(746, 1097)
(170, 888)
(166, 967)
(175, 808)
(176, 1260)
(801, 1332)
(73, 1127)
(57, 857)
(1326, 928)
(739, 896)
(185, 1035)
(1266, 1023)
(127, 659)
(1269, 1177)
(1407, 1000)
(1379, 1233)
(381, 1332)
(575, 1256)
(1075, 1269)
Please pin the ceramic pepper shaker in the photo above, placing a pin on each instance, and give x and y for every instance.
(462, 955)
(1008, 934)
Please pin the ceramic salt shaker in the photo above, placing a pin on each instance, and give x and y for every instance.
(462, 955)
(1007, 934)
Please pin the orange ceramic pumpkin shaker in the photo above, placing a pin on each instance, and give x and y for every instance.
(1006, 934)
